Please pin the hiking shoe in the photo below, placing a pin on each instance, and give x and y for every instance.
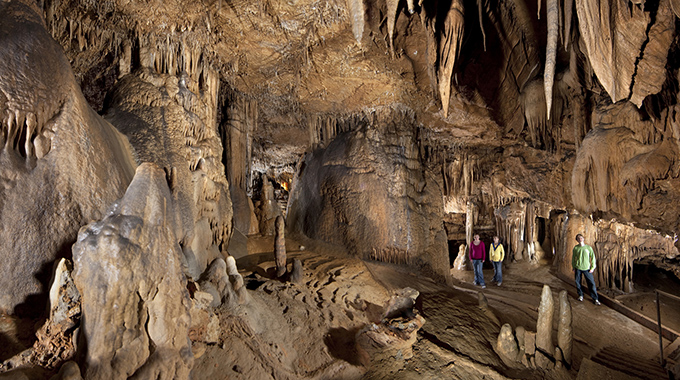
(483, 286)
(597, 303)
(499, 284)
(580, 298)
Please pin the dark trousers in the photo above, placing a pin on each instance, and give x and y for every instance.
(590, 280)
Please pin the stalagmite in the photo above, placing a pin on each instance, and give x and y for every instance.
(544, 344)
(236, 280)
(506, 345)
(550, 53)
(454, 27)
(564, 330)
(297, 275)
(280, 247)
(520, 331)
(460, 263)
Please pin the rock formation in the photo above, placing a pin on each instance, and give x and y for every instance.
(135, 303)
(506, 345)
(389, 131)
(236, 281)
(268, 209)
(62, 164)
(330, 198)
(170, 122)
(297, 274)
(545, 350)
(565, 334)
(280, 246)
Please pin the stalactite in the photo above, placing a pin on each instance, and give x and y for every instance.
(550, 53)
(481, 24)
(530, 231)
(511, 222)
(449, 48)
(23, 133)
(356, 14)
(429, 22)
(568, 11)
(469, 222)
(392, 6)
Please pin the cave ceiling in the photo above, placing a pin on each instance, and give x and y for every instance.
(517, 86)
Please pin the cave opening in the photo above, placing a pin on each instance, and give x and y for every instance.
(454, 247)
(649, 277)
(543, 238)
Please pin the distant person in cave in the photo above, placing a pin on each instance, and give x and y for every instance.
(496, 255)
(478, 255)
(583, 263)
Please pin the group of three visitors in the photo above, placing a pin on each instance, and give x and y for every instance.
(582, 263)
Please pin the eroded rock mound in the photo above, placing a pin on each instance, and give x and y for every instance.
(134, 299)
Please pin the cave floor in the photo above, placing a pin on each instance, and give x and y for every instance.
(456, 340)
(599, 331)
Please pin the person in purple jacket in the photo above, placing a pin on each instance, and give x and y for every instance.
(478, 255)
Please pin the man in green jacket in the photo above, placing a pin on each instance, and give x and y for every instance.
(583, 262)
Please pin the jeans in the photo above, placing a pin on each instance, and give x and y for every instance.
(479, 275)
(497, 271)
(590, 280)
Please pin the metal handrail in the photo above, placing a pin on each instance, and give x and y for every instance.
(662, 360)
(668, 294)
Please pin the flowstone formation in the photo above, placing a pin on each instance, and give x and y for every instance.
(368, 191)
(170, 121)
(62, 164)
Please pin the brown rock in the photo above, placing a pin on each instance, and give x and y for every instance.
(506, 345)
(342, 196)
(530, 342)
(620, 38)
(172, 123)
(280, 247)
(519, 335)
(297, 275)
(134, 295)
(68, 371)
(544, 328)
(68, 170)
(564, 330)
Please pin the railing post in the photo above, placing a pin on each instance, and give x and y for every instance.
(658, 318)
